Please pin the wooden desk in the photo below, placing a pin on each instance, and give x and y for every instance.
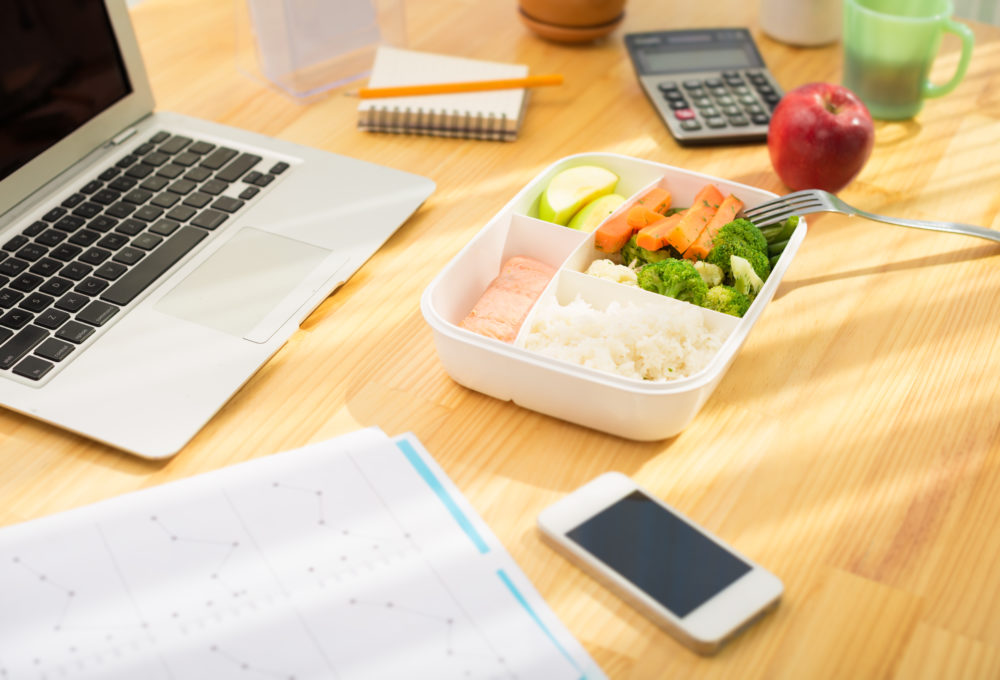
(852, 448)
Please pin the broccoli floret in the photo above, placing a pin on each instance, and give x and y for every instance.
(727, 300)
(674, 278)
(710, 273)
(631, 252)
(745, 279)
(744, 230)
(722, 254)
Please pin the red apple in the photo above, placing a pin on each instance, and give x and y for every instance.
(820, 136)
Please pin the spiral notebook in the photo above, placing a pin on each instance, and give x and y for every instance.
(494, 115)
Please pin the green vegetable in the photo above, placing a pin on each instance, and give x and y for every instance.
(674, 278)
(777, 236)
(742, 239)
(744, 230)
(727, 300)
(710, 273)
(745, 278)
(631, 252)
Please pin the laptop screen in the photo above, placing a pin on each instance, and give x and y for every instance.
(59, 67)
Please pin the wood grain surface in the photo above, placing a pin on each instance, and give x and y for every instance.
(852, 448)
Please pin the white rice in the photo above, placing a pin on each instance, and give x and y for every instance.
(625, 339)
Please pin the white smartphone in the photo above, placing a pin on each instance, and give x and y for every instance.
(689, 582)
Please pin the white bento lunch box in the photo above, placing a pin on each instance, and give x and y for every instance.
(626, 407)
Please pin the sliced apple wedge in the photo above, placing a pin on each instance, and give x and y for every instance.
(573, 188)
(595, 212)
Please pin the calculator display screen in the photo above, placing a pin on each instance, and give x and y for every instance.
(674, 59)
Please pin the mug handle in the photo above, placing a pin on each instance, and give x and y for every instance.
(965, 34)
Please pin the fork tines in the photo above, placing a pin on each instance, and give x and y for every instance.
(785, 206)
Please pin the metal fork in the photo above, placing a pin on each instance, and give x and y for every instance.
(815, 200)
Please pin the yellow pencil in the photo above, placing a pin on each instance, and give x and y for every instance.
(450, 88)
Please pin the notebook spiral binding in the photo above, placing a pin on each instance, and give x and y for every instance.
(456, 124)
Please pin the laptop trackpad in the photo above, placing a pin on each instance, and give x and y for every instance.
(251, 285)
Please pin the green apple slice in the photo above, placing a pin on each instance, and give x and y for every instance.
(595, 212)
(571, 189)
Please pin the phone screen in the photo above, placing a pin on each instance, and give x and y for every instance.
(659, 553)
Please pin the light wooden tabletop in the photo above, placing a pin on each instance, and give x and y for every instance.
(852, 448)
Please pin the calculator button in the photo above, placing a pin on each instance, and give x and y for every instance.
(692, 84)
(668, 86)
(684, 114)
(690, 125)
(725, 100)
(716, 122)
(732, 110)
(759, 118)
(701, 101)
(709, 112)
(741, 89)
(713, 82)
(738, 121)
(678, 104)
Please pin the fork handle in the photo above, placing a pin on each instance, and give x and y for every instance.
(950, 227)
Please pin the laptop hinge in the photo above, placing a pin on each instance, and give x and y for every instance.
(121, 137)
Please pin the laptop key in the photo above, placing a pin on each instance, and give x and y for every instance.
(105, 196)
(198, 174)
(56, 286)
(183, 187)
(95, 256)
(127, 161)
(90, 286)
(54, 214)
(175, 144)
(54, 349)
(186, 159)
(201, 147)
(148, 213)
(171, 171)
(155, 183)
(102, 223)
(33, 368)
(214, 187)
(147, 241)
(15, 243)
(159, 137)
(35, 228)
(16, 318)
(72, 302)
(181, 213)
(229, 205)
(218, 158)
(122, 183)
(209, 219)
(45, 267)
(129, 255)
(109, 174)
(73, 200)
(238, 167)
(113, 241)
(164, 227)
(165, 200)
(12, 266)
(249, 193)
(97, 313)
(120, 210)
(110, 270)
(64, 252)
(32, 252)
(91, 186)
(84, 237)
(198, 200)
(9, 298)
(74, 331)
(52, 318)
(278, 168)
(70, 223)
(156, 158)
(138, 196)
(87, 210)
(26, 282)
(76, 271)
(131, 227)
(140, 171)
(125, 289)
(37, 302)
(20, 344)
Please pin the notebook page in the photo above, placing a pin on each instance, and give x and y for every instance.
(394, 67)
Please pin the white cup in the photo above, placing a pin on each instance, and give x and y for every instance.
(806, 23)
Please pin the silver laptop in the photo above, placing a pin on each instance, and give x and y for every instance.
(151, 262)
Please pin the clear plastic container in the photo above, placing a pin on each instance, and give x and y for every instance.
(626, 407)
(306, 47)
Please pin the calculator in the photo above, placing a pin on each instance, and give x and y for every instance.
(710, 86)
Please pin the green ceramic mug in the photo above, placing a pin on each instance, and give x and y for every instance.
(889, 47)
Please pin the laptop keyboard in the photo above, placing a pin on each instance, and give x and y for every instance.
(71, 272)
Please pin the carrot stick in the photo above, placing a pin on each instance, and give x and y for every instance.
(653, 236)
(613, 234)
(656, 199)
(702, 246)
(639, 216)
(705, 205)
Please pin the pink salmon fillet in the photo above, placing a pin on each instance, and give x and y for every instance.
(502, 309)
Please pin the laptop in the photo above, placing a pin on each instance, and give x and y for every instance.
(151, 262)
